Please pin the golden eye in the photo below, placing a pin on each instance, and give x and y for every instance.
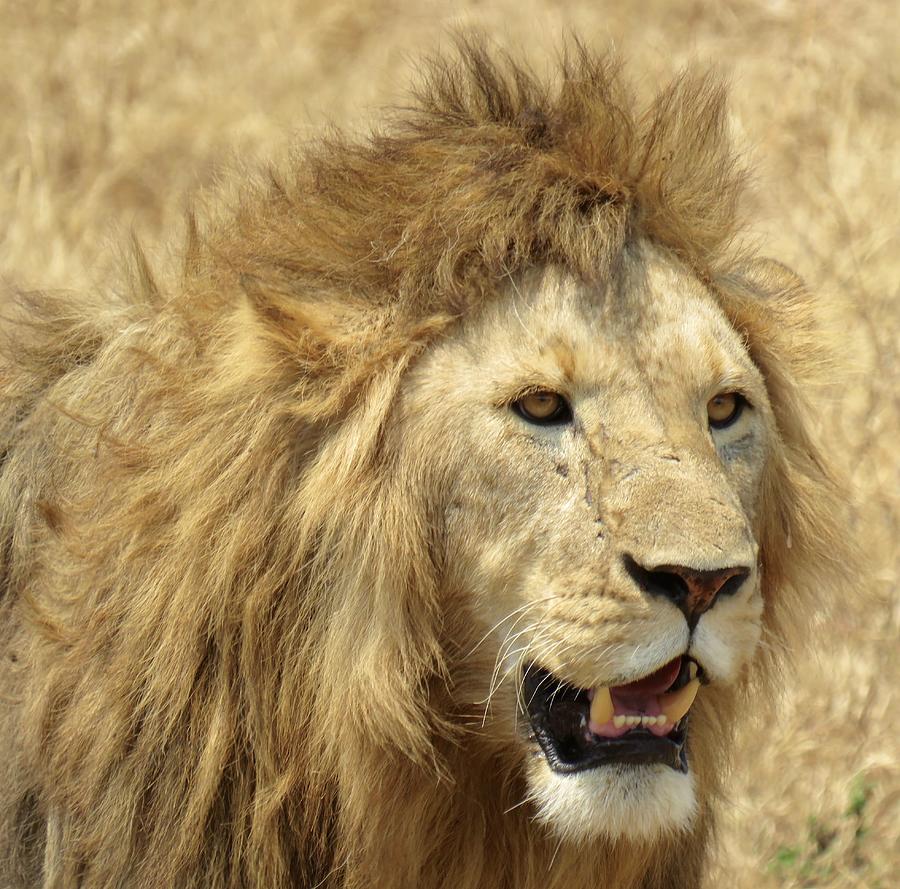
(543, 407)
(724, 409)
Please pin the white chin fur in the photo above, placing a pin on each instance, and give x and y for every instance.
(615, 801)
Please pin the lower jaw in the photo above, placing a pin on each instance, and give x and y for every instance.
(636, 748)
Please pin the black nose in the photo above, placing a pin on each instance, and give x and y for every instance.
(692, 590)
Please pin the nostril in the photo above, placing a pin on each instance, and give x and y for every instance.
(734, 579)
(667, 584)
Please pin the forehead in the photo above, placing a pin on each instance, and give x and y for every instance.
(653, 322)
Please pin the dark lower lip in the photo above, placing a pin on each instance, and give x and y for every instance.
(558, 716)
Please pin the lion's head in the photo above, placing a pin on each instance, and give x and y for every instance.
(598, 453)
(435, 525)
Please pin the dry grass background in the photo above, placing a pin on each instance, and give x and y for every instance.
(115, 113)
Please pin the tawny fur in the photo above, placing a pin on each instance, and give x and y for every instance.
(222, 617)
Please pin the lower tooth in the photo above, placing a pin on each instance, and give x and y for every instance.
(619, 721)
(676, 704)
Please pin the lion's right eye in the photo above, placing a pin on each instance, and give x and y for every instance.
(543, 408)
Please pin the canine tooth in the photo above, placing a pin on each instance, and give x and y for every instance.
(602, 709)
(676, 704)
(619, 721)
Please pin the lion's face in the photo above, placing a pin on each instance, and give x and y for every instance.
(598, 458)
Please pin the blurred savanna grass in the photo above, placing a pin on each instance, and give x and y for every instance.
(117, 115)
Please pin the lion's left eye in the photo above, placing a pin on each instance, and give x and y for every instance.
(543, 408)
(724, 409)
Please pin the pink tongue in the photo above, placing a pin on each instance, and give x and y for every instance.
(654, 684)
(641, 697)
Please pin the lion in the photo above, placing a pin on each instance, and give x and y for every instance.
(434, 526)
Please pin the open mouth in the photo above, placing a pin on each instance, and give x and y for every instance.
(642, 722)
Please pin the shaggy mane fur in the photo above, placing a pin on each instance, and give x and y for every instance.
(220, 603)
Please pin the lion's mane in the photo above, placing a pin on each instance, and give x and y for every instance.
(221, 617)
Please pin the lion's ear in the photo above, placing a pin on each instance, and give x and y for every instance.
(770, 276)
(784, 327)
(284, 320)
(288, 339)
